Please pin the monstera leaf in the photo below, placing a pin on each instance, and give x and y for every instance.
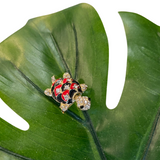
(74, 41)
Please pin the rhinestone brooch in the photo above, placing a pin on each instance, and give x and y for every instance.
(66, 91)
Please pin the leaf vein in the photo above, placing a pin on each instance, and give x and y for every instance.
(151, 136)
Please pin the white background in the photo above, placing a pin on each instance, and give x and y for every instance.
(15, 14)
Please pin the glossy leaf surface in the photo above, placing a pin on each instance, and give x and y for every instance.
(74, 40)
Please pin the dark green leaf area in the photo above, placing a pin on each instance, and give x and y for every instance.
(71, 41)
(131, 128)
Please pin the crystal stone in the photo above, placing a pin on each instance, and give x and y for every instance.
(66, 97)
(66, 75)
(57, 90)
(66, 87)
(64, 108)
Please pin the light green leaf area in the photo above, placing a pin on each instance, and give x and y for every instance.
(75, 41)
(8, 156)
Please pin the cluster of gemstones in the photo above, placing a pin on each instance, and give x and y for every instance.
(66, 91)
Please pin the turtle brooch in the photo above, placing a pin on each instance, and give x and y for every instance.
(66, 91)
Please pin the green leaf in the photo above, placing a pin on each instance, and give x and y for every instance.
(74, 40)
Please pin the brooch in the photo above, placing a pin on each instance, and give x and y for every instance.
(66, 91)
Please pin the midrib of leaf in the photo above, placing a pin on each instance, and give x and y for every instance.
(89, 125)
(88, 122)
